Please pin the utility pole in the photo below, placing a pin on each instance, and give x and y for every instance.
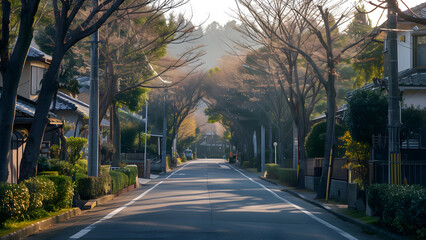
(394, 114)
(93, 161)
(262, 147)
(163, 150)
(145, 172)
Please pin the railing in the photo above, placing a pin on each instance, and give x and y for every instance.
(414, 172)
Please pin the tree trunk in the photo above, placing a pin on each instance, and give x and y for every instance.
(116, 136)
(329, 137)
(39, 123)
(63, 153)
(11, 69)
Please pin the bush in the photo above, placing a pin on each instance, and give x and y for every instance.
(131, 172)
(288, 176)
(105, 169)
(315, 141)
(92, 187)
(62, 167)
(48, 173)
(75, 147)
(246, 164)
(65, 191)
(400, 208)
(14, 201)
(54, 151)
(43, 164)
(81, 166)
(271, 170)
(119, 180)
(42, 192)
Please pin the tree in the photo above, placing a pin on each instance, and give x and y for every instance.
(366, 115)
(68, 31)
(11, 68)
(285, 67)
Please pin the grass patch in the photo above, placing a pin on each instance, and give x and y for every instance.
(252, 170)
(12, 226)
(359, 216)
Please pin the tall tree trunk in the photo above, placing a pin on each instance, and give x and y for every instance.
(11, 69)
(39, 123)
(64, 145)
(329, 139)
(116, 135)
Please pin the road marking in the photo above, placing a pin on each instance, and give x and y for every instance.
(223, 166)
(338, 230)
(89, 228)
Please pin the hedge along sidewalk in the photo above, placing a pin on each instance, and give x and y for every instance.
(41, 225)
(332, 208)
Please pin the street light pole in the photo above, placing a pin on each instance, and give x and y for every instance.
(163, 151)
(94, 104)
(145, 172)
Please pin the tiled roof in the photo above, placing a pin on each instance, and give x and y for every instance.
(36, 54)
(65, 102)
(412, 77)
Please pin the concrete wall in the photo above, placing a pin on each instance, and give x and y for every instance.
(312, 183)
(338, 188)
(405, 53)
(415, 97)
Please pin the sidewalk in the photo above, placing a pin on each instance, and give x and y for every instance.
(144, 181)
(333, 207)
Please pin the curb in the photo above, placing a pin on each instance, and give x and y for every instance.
(95, 202)
(38, 226)
(364, 226)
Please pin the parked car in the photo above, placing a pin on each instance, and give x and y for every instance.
(188, 154)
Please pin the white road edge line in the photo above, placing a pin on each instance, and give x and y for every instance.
(338, 230)
(87, 229)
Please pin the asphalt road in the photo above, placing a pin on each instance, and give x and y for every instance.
(205, 199)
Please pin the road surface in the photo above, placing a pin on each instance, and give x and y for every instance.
(205, 199)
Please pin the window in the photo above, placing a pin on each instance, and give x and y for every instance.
(36, 76)
(420, 51)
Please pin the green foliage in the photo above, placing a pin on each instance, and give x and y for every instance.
(48, 173)
(14, 201)
(246, 164)
(131, 172)
(287, 176)
(413, 120)
(105, 169)
(81, 166)
(358, 156)
(400, 208)
(315, 141)
(75, 147)
(42, 192)
(93, 187)
(119, 181)
(65, 191)
(214, 117)
(271, 170)
(134, 99)
(366, 115)
(64, 168)
(54, 151)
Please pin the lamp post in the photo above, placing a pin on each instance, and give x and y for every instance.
(163, 151)
(275, 147)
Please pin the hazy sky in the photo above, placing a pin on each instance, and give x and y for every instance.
(221, 10)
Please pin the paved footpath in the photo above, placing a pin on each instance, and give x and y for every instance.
(206, 199)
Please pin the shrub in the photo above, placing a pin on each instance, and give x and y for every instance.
(65, 191)
(105, 169)
(43, 164)
(246, 164)
(184, 158)
(54, 151)
(287, 176)
(400, 208)
(62, 167)
(42, 192)
(271, 170)
(316, 139)
(119, 180)
(131, 172)
(48, 173)
(81, 166)
(75, 147)
(92, 187)
(14, 201)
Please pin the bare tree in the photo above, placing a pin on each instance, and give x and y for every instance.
(11, 68)
(262, 23)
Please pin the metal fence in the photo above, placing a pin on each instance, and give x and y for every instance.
(414, 172)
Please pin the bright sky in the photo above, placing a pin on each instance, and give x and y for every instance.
(221, 10)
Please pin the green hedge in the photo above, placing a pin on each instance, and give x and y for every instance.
(48, 173)
(288, 176)
(14, 201)
(271, 170)
(246, 164)
(131, 172)
(119, 181)
(93, 187)
(400, 208)
(42, 192)
(65, 191)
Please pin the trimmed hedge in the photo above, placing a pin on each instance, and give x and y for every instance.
(271, 170)
(14, 201)
(65, 191)
(288, 176)
(119, 181)
(131, 172)
(92, 187)
(400, 208)
(246, 164)
(42, 192)
(285, 175)
(48, 173)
